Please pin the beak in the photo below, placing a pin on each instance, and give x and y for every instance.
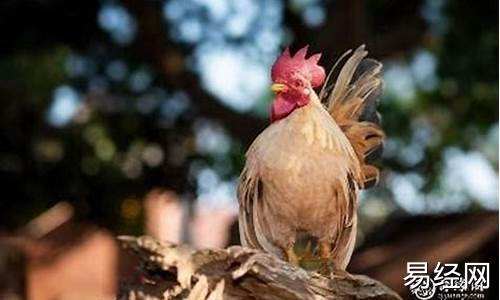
(278, 87)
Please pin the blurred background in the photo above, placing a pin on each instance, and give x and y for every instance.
(132, 117)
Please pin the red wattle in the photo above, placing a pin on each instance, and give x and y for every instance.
(281, 108)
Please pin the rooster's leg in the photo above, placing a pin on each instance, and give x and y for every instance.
(291, 256)
(324, 249)
(327, 268)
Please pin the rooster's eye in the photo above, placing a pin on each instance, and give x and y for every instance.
(298, 83)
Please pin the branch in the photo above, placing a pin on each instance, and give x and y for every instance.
(177, 271)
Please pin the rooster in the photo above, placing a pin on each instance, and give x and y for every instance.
(299, 189)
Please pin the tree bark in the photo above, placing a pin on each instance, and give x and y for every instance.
(171, 271)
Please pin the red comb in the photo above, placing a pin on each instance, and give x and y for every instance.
(286, 65)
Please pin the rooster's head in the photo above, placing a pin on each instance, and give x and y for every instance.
(293, 78)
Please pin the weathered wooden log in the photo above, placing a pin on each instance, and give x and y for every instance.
(12, 269)
(173, 271)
